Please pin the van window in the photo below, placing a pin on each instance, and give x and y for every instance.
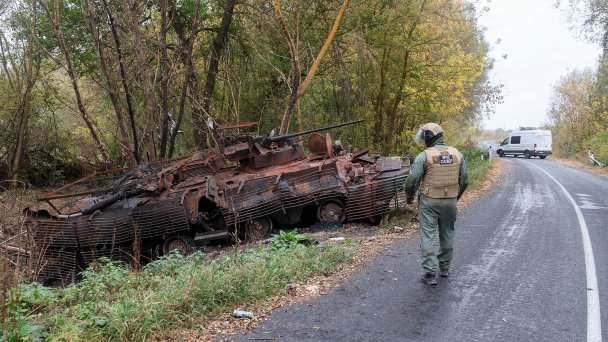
(515, 139)
(504, 142)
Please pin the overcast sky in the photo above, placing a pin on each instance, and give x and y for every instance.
(540, 48)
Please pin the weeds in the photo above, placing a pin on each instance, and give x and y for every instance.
(111, 303)
(289, 240)
(402, 217)
(477, 168)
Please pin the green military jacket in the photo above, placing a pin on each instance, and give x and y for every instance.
(419, 170)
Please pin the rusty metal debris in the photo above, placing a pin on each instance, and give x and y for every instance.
(139, 214)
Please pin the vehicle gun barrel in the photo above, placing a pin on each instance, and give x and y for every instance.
(281, 137)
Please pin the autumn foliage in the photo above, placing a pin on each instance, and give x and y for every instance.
(92, 84)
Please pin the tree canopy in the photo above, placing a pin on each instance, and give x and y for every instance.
(579, 105)
(88, 84)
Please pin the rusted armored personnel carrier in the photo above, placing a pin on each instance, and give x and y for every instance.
(242, 190)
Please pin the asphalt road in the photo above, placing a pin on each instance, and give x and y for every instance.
(519, 273)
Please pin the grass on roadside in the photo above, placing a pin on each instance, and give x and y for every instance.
(477, 168)
(112, 303)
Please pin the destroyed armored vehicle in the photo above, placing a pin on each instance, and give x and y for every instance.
(244, 189)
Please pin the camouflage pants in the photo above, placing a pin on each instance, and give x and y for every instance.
(436, 214)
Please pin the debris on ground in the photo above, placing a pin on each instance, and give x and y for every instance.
(242, 314)
(341, 238)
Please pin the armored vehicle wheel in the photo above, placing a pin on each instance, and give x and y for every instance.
(527, 154)
(259, 228)
(184, 244)
(332, 210)
(542, 157)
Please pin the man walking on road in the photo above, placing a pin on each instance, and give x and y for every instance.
(440, 174)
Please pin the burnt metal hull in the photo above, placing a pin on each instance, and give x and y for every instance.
(137, 213)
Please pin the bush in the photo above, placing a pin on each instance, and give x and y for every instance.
(598, 143)
(477, 168)
(111, 303)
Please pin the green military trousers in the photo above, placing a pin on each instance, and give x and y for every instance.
(436, 214)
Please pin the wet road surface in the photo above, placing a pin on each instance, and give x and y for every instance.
(519, 273)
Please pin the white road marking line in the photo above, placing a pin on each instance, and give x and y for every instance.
(594, 320)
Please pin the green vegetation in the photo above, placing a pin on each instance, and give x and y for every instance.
(288, 240)
(599, 144)
(579, 107)
(111, 303)
(88, 85)
(478, 169)
(580, 116)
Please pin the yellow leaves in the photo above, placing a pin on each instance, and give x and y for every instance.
(576, 111)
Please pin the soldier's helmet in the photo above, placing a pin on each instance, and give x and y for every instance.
(427, 133)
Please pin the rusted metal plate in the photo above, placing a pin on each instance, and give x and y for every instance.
(388, 164)
(244, 124)
(317, 144)
(374, 198)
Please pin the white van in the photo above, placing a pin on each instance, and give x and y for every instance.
(529, 143)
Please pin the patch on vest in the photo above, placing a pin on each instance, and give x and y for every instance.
(446, 160)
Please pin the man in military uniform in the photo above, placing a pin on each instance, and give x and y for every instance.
(440, 175)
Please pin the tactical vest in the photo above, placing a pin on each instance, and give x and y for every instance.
(442, 171)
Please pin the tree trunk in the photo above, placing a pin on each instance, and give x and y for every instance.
(293, 52)
(392, 115)
(330, 38)
(23, 115)
(215, 51)
(127, 151)
(25, 107)
(3, 55)
(185, 49)
(404, 74)
(164, 83)
(142, 66)
(379, 105)
(123, 79)
(74, 80)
